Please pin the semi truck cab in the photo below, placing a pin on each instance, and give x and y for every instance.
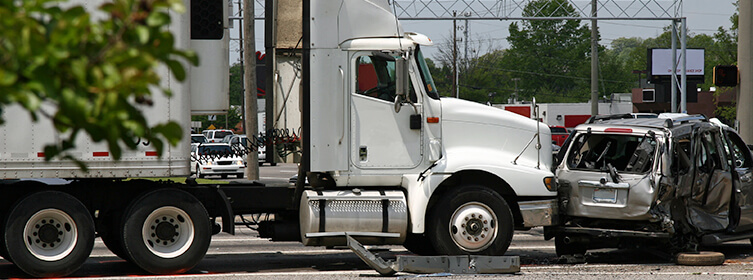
(459, 175)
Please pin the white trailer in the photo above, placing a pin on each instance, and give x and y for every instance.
(51, 211)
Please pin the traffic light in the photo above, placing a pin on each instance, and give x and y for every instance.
(725, 75)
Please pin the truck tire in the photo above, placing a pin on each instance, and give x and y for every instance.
(700, 258)
(471, 220)
(419, 244)
(166, 231)
(49, 234)
(111, 235)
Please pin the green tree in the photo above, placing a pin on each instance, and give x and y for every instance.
(96, 72)
(236, 84)
(551, 57)
(233, 117)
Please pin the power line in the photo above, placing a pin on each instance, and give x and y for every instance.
(552, 75)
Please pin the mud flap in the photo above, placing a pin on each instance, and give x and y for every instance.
(467, 264)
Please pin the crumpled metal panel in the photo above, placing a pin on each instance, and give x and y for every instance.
(708, 210)
(632, 202)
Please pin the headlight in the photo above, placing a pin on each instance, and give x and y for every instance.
(209, 162)
(239, 162)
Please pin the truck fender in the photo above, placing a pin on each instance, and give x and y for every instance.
(217, 204)
(434, 186)
(228, 220)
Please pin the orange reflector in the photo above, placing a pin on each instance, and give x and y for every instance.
(619, 130)
(432, 120)
(550, 184)
(151, 153)
(101, 154)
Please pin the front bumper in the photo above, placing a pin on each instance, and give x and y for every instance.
(539, 212)
(222, 169)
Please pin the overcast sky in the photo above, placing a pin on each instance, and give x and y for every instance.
(703, 16)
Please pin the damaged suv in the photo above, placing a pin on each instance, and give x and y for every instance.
(674, 184)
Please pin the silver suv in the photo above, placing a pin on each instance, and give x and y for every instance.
(675, 183)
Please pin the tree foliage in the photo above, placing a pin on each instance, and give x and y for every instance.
(236, 84)
(551, 60)
(232, 118)
(96, 73)
(548, 55)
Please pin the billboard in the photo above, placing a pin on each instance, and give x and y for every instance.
(660, 64)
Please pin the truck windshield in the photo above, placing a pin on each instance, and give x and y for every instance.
(428, 82)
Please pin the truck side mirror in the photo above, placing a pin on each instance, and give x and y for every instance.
(401, 82)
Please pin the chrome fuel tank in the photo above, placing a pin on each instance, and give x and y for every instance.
(371, 216)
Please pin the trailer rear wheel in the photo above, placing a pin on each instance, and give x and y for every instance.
(49, 234)
(471, 220)
(166, 231)
(111, 235)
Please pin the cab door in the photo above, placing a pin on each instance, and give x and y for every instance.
(381, 138)
(741, 161)
(710, 198)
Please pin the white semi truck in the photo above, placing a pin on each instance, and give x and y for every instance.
(388, 160)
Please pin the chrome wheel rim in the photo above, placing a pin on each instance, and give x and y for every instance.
(473, 226)
(50, 234)
(168, 232)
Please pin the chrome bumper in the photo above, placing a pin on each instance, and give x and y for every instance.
(539, 212)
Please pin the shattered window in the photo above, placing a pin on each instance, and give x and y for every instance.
(681, 156)
(742, 159)
(626, 153)
(708, 158)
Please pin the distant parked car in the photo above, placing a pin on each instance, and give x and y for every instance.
(216, 159)
(216, 135)
(559, 134)
(198, 138)
(241, 139)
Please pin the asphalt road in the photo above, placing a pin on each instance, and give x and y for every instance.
(245, 256)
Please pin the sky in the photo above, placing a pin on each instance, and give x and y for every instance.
(703, 16)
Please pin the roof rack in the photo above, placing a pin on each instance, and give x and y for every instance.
(593, 119)
(669, 119)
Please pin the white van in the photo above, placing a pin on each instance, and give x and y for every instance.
(216, 135)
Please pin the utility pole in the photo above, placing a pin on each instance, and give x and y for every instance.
(745, 65)
(673, 83)
(515, 95)
(243, 83)
(249, 77)
(455, 82)
(465, 33)
(594, 62)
